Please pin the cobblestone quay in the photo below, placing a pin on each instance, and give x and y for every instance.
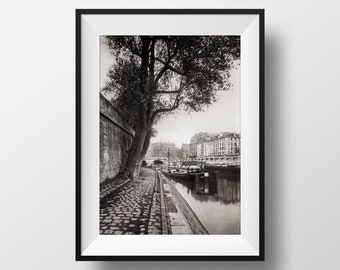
(132, 207)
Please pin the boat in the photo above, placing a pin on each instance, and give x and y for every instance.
(186, 175)
(229, 168)
(190, 176)
(190, 172)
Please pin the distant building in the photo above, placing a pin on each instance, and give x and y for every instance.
(196, 143)
(160, 151)
(204, 148)
(193, 150)
(185, 148)
(222, 148)
(167, 152)
(227, 144)
(208, 148)
(200, 149)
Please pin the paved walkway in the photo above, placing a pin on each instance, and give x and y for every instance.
(133, 207)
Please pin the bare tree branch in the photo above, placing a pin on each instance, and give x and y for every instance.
(172, 108)
(165, 63)
(162, 71)
(152, 58)
(168, 66)
(167, 92)
(151, 77)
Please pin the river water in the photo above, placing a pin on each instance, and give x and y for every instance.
(215, 200)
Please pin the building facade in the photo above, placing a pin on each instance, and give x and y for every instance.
(221, 148)
(161, 150)
(185, 148)
(208, 148)
(205, 148)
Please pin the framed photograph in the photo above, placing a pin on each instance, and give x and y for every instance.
(170, 134)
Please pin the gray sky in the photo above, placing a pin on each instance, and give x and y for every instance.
(224, 115)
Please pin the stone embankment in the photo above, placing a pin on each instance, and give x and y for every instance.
(148, 205)
(182, 218)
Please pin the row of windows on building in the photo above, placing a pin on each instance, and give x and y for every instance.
(215, 144)
(201, 145)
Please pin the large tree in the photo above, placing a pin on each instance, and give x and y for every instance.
(156, 75)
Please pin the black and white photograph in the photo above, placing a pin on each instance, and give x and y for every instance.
(170, 137)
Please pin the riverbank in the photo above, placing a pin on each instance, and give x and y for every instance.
(182, 218)
(148, 205)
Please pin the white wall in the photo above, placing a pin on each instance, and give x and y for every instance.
(37, 60)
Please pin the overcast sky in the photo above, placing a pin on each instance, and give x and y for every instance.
(224, 115)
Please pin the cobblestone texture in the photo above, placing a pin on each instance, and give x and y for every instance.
(110, 185)
(133, 207)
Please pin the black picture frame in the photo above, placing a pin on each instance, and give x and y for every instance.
(78, 176)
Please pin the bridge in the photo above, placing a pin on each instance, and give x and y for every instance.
(228, 159)
(213, 160)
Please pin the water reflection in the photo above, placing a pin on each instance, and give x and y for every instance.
(215, 200)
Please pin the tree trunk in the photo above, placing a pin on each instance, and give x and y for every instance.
(131, 169)
(132, 165)
(145, 147)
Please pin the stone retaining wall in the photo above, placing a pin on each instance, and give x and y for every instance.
(115, 140)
